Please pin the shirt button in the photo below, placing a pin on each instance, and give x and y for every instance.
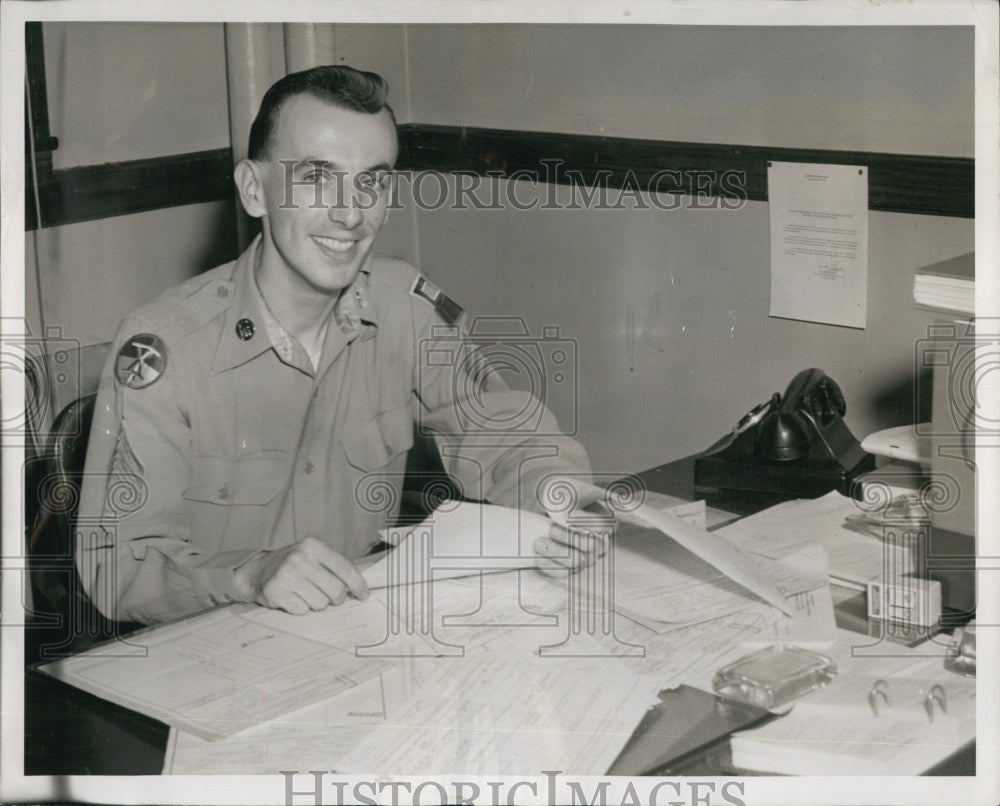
(308, 467)
(223, 493)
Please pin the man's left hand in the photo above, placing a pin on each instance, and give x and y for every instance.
(579, 544)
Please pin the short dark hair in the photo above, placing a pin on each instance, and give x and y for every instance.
(338, 84)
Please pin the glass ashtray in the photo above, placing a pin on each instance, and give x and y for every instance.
(775, 676)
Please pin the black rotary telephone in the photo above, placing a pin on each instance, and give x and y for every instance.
(794, 445)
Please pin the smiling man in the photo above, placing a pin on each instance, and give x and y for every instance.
(241, 413)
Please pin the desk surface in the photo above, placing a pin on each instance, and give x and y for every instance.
(70, 732)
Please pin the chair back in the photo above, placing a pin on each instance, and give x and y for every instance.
(65, 620)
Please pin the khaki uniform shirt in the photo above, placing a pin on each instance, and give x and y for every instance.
(214, 437)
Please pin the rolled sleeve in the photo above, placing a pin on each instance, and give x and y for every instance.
(499, 444)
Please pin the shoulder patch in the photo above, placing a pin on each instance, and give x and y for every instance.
(141, 361)
(446, 307)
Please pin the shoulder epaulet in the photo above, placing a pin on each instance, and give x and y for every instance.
(186, 307)
(449, 310)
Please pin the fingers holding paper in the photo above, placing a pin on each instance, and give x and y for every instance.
(585, 538)
(307, 575)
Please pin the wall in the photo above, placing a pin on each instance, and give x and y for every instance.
(124, 91)
(119, 92)
(902, 90)
(669, 312)
(94, 273)
(669, 309)
(383, 49)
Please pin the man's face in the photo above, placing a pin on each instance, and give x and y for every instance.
(325, 190)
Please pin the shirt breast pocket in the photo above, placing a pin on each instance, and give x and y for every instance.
(375, 444)
(254, 479)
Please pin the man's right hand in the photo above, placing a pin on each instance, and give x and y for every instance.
(304, 576)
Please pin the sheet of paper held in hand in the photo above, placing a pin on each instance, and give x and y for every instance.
(507, 537)
(459, 539)
(708, 546)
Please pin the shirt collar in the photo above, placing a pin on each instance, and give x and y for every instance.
(234, 349)
(352, 310)
(369, 310)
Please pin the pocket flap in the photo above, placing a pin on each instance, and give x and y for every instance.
(253, 479)
(374, 444)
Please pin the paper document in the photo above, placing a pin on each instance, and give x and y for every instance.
(219, 672)
(657, 580)
(313, 738)
(855, 558)
(819, 242)
(464, 538)
(567, 716)
(459, 539)
(491, 620)
(708, 546)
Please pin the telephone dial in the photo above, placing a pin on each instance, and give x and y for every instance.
(796, 444)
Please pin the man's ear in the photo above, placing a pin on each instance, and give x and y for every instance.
(250, 186)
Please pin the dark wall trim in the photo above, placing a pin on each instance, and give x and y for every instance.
(119, 188)
(897, 183)
(37, 92)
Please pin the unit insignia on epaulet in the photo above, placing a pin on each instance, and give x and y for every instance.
(449, 310)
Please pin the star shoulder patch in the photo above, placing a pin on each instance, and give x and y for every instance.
(446, 307)
(141, 361)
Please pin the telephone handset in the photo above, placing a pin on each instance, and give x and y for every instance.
(794, 444)
(811, 397)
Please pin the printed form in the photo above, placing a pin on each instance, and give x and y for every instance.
(224, 671)
(567, 715)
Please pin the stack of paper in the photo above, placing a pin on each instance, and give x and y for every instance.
(493, 705)
(856, 557)
(948, 285)
(505, 672)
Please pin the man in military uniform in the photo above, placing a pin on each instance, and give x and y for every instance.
(240, 413)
